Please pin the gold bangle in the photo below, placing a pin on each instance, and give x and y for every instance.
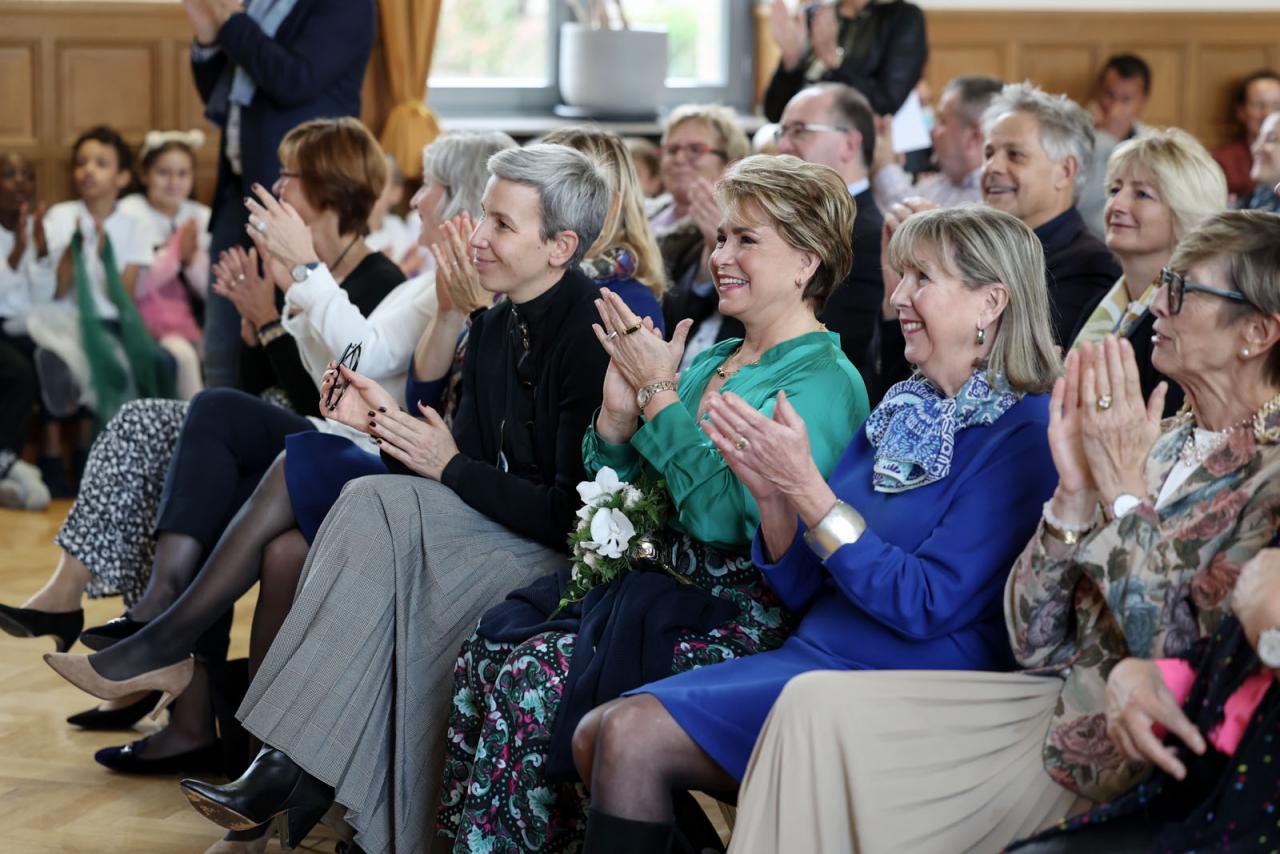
(1065, 537)
(841, 526)
(272, 333)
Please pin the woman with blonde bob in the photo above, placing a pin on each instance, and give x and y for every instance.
(1136, 554)
(625, 258)
(896, 559)
(1159, 187)
(780, 250)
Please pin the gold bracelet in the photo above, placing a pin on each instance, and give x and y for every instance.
(273, 331)
(841, 526)
(1063, 536)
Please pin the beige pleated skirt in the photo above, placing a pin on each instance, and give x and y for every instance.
(901, 761)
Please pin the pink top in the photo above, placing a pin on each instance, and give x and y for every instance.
(1179, 676)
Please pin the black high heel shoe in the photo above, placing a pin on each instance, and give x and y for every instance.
(274, 784)
(65, 626)
(121, 718)
(125, 760)
(98, 638)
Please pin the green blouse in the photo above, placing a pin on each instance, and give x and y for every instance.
(711, 505)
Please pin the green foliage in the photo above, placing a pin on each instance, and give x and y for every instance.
(648, 507)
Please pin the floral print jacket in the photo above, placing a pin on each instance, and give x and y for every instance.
(1147, 584)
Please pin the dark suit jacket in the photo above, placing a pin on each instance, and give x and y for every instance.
(885, 52)
(1081, 270)
(313, 68)
(853, 311)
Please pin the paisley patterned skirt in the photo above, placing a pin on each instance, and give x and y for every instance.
(496, 796)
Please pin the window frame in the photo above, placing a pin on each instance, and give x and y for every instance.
(499, 97)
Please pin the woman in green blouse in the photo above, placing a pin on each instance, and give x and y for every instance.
(521, 681)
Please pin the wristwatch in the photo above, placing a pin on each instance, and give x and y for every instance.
(644, 395)
(1269, 647)
(1123, 504)
(301, 271)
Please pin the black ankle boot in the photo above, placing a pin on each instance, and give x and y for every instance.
(609, 834)
(274, 784)
(29, 623)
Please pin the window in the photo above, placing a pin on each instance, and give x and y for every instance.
(497, 56)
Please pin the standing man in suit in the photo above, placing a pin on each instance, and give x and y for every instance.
(262, 67)
(832, 124)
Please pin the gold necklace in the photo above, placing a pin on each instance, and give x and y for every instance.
(1191, 451)
(724, 374)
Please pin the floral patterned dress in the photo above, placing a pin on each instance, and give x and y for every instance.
(1148, 584)
(496, 795)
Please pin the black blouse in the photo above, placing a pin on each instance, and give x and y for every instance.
(531, 382)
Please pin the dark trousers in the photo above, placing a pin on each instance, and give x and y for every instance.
(221, 319)
(228, 441)
(18, 392)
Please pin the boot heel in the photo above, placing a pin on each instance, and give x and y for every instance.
(297, 822)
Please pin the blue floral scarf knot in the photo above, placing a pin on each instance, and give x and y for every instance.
(914, 428)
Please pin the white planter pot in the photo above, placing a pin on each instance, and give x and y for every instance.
(613, 71)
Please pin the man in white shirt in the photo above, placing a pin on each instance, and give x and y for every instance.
(957, 149)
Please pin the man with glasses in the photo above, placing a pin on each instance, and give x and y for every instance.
(832, 124)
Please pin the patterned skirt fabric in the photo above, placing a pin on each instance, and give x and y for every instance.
(111, 526)
(496, 797)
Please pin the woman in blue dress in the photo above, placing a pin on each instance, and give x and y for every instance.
(899, 559)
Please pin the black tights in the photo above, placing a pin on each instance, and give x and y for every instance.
(231, 570)
(632, 755)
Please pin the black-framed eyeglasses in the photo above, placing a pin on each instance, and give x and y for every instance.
(1179, 284)
(350, 360)
(695, 151)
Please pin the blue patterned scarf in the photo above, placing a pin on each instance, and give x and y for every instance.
(914, 428)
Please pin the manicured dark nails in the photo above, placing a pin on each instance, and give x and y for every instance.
(382, 409)
(371, 413)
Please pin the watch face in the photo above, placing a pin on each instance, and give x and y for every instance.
(1123, 504)
(1269, 647)
(299, 273)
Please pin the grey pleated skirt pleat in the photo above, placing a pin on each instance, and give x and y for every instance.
(357, 685)
(927, 762)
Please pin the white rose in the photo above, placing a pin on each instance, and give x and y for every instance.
(634, 497)
(612, 531)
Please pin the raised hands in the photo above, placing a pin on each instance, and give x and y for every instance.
(236, 278)
(1137, 700)
(457, 280)
(823, 34)
(894, 217)
(704, 211)
(188, 242)
(277, 230)
(770, 456)
(640, 357)
(788, 31)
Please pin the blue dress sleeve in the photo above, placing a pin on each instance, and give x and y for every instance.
(796, 577)
(955, 577)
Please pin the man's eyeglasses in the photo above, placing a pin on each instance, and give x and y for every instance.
(694, 151)
(1179, 284)
(795, 130)
(350, 359)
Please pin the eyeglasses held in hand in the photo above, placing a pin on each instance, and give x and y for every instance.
(350, 360)
(1179, 284)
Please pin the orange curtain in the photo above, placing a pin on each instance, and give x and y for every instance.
(407, 37)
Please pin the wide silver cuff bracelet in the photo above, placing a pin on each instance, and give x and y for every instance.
(841, 526)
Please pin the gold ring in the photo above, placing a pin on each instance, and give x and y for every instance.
(741, 443)
(635, 327)
(1104, 403)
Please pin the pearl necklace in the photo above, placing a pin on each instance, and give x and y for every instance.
(1193, 452)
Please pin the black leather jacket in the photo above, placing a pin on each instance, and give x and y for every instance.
(885, 51)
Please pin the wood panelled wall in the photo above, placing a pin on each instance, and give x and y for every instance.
(66, 66)
(1196, 58)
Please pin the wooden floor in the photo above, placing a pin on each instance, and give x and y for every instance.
(53, 796)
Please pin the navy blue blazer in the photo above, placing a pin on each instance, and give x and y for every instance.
(313, 68)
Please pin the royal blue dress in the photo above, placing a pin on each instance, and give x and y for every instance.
(922, 589)
(317, 465)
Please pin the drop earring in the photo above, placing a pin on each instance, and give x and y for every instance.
(982, 336)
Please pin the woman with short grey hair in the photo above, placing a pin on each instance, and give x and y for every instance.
(352, 696)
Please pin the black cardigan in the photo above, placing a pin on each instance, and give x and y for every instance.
(885, 52)
(537, 497)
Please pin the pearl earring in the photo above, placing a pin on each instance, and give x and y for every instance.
(1244, 353)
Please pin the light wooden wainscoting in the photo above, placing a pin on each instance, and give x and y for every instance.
(1196, 58)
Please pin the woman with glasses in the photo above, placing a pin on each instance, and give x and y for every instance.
(1136, 555)
(698, 144)
(1159, 186)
